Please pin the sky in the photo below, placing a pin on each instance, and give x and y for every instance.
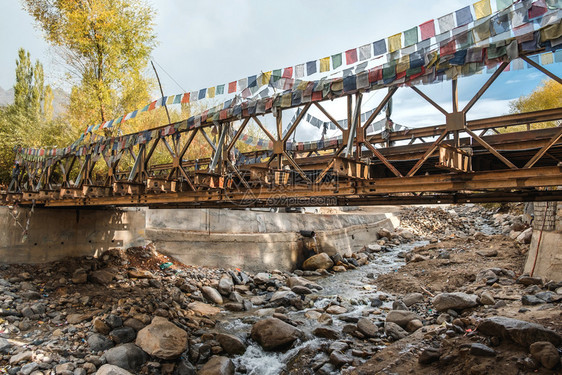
(205, 43)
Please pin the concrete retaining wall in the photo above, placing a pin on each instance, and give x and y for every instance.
(546, 255)
(57, 233)
(204, 237)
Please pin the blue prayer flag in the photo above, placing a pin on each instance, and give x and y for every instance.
(464, 16)
(310, 67)
(379, 47)
(202, 94)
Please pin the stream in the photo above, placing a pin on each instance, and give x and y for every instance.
(353, 289)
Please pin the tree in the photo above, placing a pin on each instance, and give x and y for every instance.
(106, 44)
(546, 96)
(26, 122)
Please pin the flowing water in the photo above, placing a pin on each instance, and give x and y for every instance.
(353, 289)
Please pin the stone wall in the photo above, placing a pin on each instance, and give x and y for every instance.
(545, 252)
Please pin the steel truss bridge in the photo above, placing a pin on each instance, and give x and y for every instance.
(458, 161)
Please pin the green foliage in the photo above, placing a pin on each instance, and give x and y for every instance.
(28, 121)
(106, 44)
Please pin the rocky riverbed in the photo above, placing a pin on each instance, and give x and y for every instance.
(441, 294)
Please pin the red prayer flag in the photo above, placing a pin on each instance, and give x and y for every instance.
(185, 97)
(427, 30)
(152, 105)
(448, 48)
(375, 74)
(232, 87)
(288, 72)
(351, 56)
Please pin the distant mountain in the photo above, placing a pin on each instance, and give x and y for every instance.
(60, 100)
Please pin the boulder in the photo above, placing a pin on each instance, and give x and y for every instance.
(455, 301)
(102, 277)
(80, 276)
(21, 357)
(231, 344)
(200, 308)
(336, 310)
(486, 298)
(273, 333)
(482, 350)
(136, 274)
(301, 290)
(294, 281)
(429, 355)
(127, 356)
(339, 269)
(325, 332)
(212, 295)
(339, 359)
(525, 236)
(112, 370)
(519, 331)
(122, 335)
(414, 325)
(98, 342)
(226, 285)
(4, 346)
(162, 339)
(262, 278)
(318, 261)
(100, 326)
(217, 365)
(545, 353)
(412, 298)
(367, 327)
(394, 331)
(401, 317)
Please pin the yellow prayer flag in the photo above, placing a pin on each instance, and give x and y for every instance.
(302, 85)
(325, 64)
(211, 92)
(482, 8)
(403, 64)
(547, 58)
(170, 99)
(265, 78)
(395, 42)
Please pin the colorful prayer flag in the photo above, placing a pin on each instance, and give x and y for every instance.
(265, 78)
(336, 61)
(202, 94)
(288, 72)
(502, 4)
(220, 89)
(464, 16)
(446, 23)
(299, 71)
(395, 42)
(311, 67)
(211, 92)
(185, 98)
(482, 9)
(365, 52)
(325, 64)
(427, 30)
(351, 56)
(411, 36)
(232, 87)
(379, 47)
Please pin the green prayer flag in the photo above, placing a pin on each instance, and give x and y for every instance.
(502, 4)
(276, 75)
(411, 36)
(336, 61)
(220, 89)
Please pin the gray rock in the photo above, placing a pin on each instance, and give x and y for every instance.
(185, 368)
(273, 333)
(394, 331)
(429, 355)
(519, 331)
(482, 350)
(486, 298)
(401, 317)
(162, 339)
(367, 327)
(226, 285)
(114, 321)
(456, 301)
(231, 344)
(528, 280)
(4, 346)
(122, 335)
(399, 305)
(412, 298)
(414, 325)
(325, 332)
(217, 365)
(301, 290)
(338, 345)
(339, 359)
(212, 295)
(112, 370)
(294, 281)
(28, 368)
(318, 261)
(530, 300)
(127, 356)
(545, 353)
(98, 342)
